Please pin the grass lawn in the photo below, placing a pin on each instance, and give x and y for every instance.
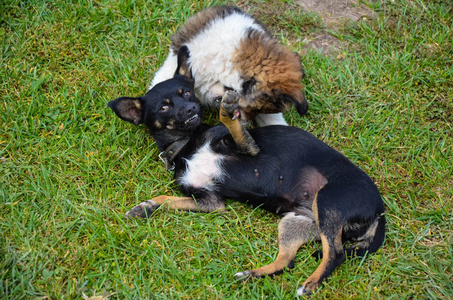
(70, 169)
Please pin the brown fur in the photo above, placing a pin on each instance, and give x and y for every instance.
(276, 69)
(311, 182)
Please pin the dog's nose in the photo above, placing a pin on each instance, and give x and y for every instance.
(190, 108)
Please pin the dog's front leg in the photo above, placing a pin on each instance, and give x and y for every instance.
(229, 117)
(146, 208)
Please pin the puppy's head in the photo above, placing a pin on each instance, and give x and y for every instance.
(171, 104)
(271, 77)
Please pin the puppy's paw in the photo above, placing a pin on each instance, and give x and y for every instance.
(242, 276)
(229, 107)
(143, 210)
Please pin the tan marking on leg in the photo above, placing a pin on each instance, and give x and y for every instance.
(240, 134)
(164, 198)
(233, 126)
(293, 232)
(312, 283)
(185, 203)
(324, 269)
(338, 243)
(284, 258)
(314, 208)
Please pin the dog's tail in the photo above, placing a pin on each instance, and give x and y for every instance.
(368, 245)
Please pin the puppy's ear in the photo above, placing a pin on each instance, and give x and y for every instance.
(298, 100)
(128, 109)
(183, 68)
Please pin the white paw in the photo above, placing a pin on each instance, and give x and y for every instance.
(143, 210)
(150, 202)
(302, 292)
(243, 275)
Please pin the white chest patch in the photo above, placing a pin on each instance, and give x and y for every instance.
(203, 169)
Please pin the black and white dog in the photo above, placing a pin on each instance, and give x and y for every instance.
(231, 50)
(320, 193)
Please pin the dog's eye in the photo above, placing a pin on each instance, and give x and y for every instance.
(186, 94)
(164, 108)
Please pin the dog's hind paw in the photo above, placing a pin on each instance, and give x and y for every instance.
(143, 210)
(301, 292)
(242, 276)
(306, 289)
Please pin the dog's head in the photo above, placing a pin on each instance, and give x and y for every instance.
(271, 77)
(170, 105)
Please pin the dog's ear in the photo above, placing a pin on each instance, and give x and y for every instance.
(128, 109)
(298, 100)
(183, 68)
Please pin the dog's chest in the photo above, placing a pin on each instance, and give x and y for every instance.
(204, 169)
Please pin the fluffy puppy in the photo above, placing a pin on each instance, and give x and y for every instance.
(231, 50)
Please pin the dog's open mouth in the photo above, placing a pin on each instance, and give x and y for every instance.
(189, 120)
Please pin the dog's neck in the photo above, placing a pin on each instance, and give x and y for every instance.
(169, 154)
(164, 138)
(171, 142)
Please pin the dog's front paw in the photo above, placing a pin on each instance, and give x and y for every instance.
(229, 106)
(143, 210)
(242, 276)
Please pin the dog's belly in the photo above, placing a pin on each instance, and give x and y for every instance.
(204, 169)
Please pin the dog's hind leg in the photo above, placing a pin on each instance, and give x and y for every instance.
(333, 256)
(329, 223)
(146, 208)
(229, 117)
(293, 232)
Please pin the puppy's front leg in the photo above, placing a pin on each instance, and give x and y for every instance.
(229, 117)
(146, 208)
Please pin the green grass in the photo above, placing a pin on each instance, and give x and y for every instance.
(69, 168)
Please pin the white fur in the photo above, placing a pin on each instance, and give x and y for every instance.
(203, 169)
(301, 291)
(211, 52)
(167, 70)
(270, 119)
(242, 275)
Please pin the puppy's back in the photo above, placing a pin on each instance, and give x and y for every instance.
(202, 20)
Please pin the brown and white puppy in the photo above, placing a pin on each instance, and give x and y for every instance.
(231, 50)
